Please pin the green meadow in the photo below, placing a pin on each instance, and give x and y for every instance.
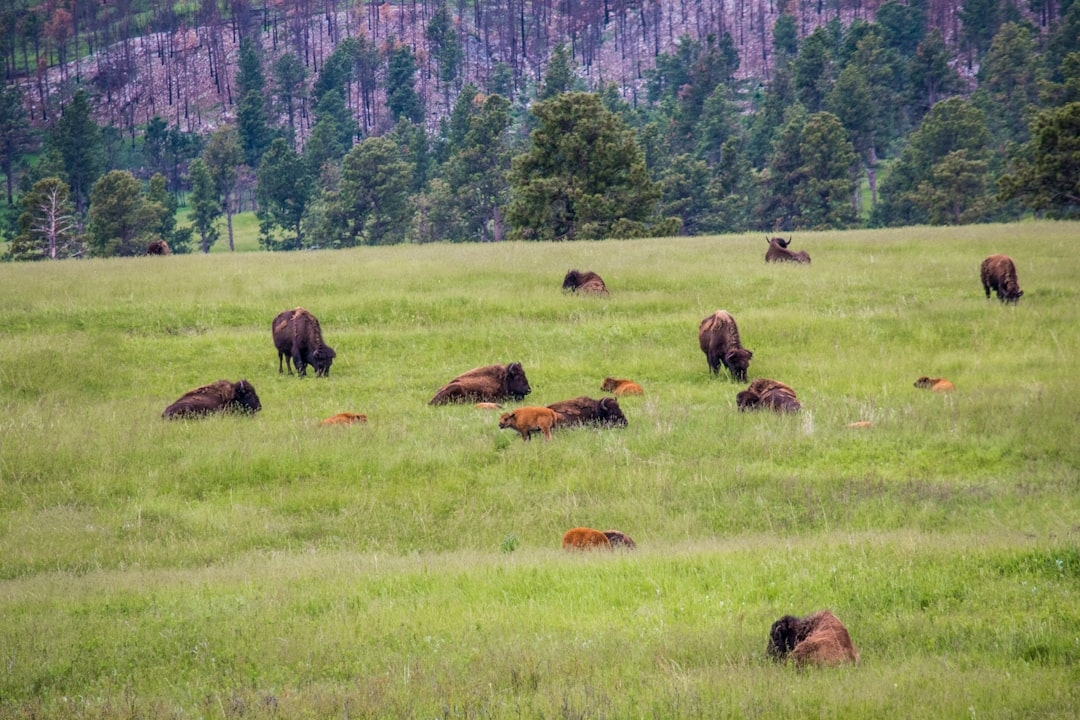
(268, 567)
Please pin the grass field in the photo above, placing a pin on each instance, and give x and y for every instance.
(265, 566)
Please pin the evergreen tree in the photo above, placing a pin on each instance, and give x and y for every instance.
(121, 219)
(284, 190)
(1044, 174)
(785, 39)
(77, 140)
(955, 191)
(253, 130)
(583, 178)
(812, 71)
(14, 133)
(205, 204)
(1009, 84)
(374, 194)
(559, 76)
(401, 97)
(445, 46)
(223, 157)
(932, 77)
(157, 191)
(476, 173)
(290, 76)
(336, 71)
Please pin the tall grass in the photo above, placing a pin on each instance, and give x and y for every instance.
(266, 566)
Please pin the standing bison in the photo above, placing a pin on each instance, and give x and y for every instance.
(778, 252)
(586, 282)
(490, 383)
(718, 336)
(819, 639)
(298, 339)
(220, 396)
(998, 273)
(766, 393)
(587, 411)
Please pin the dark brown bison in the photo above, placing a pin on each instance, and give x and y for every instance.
(490, 383)
(819, 639)
(998, 273)
(158, 247)
(587, 411)
(220, 396)
(718, 336)
(619, 539)
(298, 339)
(585, 539)
(766, 393)
(778, 252)
(586, 282)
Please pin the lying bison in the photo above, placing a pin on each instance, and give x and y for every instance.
(934, 384)
(298, 339)
(998, 273)
(770, 394)
(718, 336)
(587, 411)
(490, 383)
(619, 386)
(778, 252)
(619, 539)
(582, 538)
(819, 639)
(586, 282)
(158, 247)
(220, 396)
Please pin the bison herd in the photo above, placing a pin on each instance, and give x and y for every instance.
(819, 638)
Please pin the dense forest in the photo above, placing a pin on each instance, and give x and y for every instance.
(344, 122)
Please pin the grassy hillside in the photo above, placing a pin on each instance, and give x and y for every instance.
(269, 567)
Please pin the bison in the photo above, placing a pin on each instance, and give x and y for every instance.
(345, 418)
(934, 384)
(766, 393)
(998, 273)
(621, 387)
(158, 247)
(220, 396)
(819, 639)
(586, 282)
(527, 420)
(298, 339)
(581, 538)
(587, 411)
(718, 336)
(778, 252)
(490, 383)
(619, 539)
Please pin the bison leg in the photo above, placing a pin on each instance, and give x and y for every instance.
(301, 366)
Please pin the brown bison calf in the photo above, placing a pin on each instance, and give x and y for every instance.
(345, 418)
(220, 396)
(819, 639)
(934, 384)
(527, 420)
(298, 339)
(586, 282)
(778, 252)
(766, 393)
(587, 411)
(581, 538)
(621, 387)
(490, 383)
(998, 273)
(718, 336)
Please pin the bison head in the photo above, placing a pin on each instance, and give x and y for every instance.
(747, 400)
(1011, 293)
(322, 359)
(738, 360)
(783, 636)
(610, 413)
(245, 399)
(517, 385)
(572, 280)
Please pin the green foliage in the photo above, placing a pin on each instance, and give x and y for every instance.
(559, 76)
(47, 225)
(205, 204)
(122, 219)
(374, 194)
(1045, 173)
(402, 99)
(268, 567)
(285, 188)
(445, 45)
(78, 143)
(583, 173)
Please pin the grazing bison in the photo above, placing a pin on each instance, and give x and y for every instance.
(621, 387)
(581, 538)
(298, 339)
(587, 411)
(527, 420)
(158, 247)
(771, 394)
(220, 396)
(778, 252)
(718, 336)
(819, 639)
(490, 383)
(345, 418)
(586, 282)
(934, 384)
(620, 539)
(998, 273)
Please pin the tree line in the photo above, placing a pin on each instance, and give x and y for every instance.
(702, 148)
